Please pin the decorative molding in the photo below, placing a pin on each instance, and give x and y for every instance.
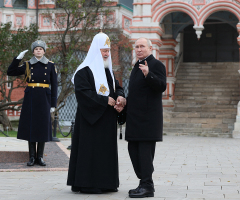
(126, 23)
(8, 3)
(19, 20)
(198, 2)
(31, 4)
(41, 2)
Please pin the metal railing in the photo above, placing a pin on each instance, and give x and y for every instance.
(4, 133)
(177, 62)
(126, 63)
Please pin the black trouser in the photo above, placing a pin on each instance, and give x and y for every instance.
(142, 155)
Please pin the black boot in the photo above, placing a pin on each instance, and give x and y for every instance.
(32, 153)
(40, 150)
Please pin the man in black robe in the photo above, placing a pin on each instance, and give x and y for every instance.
(93, 166)
(144, 115)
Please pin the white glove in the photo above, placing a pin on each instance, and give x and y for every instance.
(52, 110)
(21, 55)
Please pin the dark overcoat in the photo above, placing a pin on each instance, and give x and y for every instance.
(35, 119)
(144, 103)
(94, 157)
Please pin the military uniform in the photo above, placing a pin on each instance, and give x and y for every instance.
(35, 119)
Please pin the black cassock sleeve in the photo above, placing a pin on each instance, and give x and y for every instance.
(91, 105)
(119, 89)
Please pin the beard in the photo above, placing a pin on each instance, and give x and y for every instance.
(106, 63)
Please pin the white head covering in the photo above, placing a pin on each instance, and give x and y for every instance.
(94, 61)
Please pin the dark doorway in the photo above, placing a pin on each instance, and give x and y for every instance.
(218, 43)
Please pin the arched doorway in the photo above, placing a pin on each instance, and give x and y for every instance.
(218, 42)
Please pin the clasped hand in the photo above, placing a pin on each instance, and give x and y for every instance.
(118, 104)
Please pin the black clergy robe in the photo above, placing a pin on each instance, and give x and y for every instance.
(94, 157)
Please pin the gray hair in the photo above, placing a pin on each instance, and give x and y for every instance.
(148, 41)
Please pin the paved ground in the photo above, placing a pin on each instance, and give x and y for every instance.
(196, 168)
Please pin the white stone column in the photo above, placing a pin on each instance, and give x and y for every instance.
(236, 131)
(166, 56)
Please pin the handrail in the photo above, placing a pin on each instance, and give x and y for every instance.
(177, 62)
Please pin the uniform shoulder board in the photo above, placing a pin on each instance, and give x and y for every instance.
(23, 63)
(51, 61)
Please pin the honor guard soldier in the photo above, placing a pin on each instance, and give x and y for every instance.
(39, 100)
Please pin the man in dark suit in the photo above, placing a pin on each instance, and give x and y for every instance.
(144, 115)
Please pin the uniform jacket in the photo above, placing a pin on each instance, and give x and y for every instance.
(144, 103)
(35, 119)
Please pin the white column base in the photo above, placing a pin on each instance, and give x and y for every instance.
(236, 131)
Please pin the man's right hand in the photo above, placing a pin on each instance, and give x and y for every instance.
(21, 55)
(111, 101)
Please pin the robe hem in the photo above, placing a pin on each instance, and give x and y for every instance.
(94, 186)
(144, 139)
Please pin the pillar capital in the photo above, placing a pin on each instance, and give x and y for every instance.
(199, 30)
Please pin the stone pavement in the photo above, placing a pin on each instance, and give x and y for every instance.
(196, 168)
(10, 160)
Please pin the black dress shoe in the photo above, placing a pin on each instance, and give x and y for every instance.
(31, 162)
(41, 162)
(109, 190)
(89, 190)
(75, 189)
(142, 192)
(133, 190)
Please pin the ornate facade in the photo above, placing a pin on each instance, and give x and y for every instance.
(24, 12)
(162, 21)
(180, 30)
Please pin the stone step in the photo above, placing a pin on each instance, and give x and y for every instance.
(213, 66)
(195, 130)
(208, 74)
(183, 69)
(207, 77)
(210, 81)
(203, 115)
(207, 89)
(211, 132)
(205, 102)
(200, 109)
(202, 85)
(202, 121)
(207, 94)
(198, 126)
(207, 106)
(210, 66)
(207, 97)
